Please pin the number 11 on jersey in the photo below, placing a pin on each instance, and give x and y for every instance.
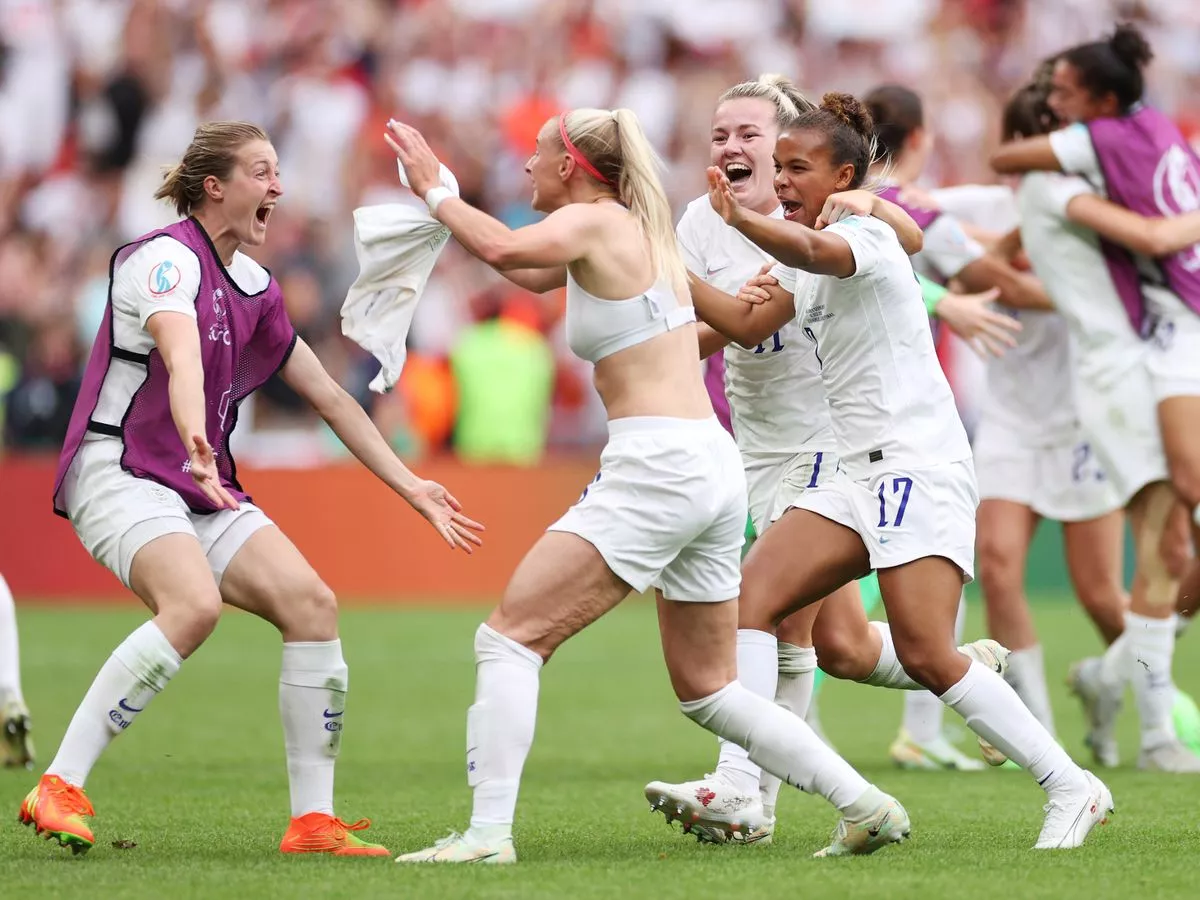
(776, 345)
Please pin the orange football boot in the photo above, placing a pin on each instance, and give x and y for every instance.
(322, 833)
(56, 809)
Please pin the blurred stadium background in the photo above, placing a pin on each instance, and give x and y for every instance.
(97, 95)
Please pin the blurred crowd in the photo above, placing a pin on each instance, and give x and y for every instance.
(96, 96)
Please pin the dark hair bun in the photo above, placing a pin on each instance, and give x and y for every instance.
(1130, 46)
(847, 108)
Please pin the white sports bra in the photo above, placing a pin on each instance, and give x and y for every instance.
(598, 328)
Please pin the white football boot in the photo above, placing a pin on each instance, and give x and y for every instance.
(713, 809)
(463, 848)
(1073, 812)
(938, 755)
(1172, 757)
(887, 824)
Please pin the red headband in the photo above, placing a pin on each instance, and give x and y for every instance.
(582, 161)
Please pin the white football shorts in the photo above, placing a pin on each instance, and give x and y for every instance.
(667, 508)
(116, 514)
(906, 515)
(1065, 482)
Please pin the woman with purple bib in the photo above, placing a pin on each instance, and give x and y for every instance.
(1136, 156)
(1062, 224)
(192, 327)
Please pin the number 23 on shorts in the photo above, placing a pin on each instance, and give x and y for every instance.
(893, 499)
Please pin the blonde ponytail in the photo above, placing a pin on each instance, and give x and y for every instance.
(613, 143)
(640, 189)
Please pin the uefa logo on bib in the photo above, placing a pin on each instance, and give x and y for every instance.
(1177, 191)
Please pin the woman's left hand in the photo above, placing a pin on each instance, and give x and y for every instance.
(420, 164)
(971, 317)
(755, 290)
(845, 204)
(445, 514)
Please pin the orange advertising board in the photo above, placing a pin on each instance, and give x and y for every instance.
(364, 541)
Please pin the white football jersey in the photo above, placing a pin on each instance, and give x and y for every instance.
(1029, 387)
(776, 399)
(1067, 257)
(890, 403)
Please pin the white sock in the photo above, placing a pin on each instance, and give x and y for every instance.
(779, 742)
(1114, 664)
(923, 716)
(758, 672)
(500, 727)
(10, 654)
(888, 672)
(137, 670)
(1152, 645)
(313, 681)
(923, 711)
(1027, 675)
(797, 671)
(1181, 625)
(797, 668)
(993, 710)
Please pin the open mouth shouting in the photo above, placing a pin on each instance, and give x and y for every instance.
(263, 213)
(792, 209)
(738, 173)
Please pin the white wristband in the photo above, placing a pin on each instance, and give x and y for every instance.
(435, 196)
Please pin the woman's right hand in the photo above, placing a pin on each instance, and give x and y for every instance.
(720, 195)
(203, 469)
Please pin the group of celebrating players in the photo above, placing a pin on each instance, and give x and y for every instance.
(811, 270)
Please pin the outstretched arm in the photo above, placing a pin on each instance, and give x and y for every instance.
(562, 237)
(307, 377)
(1149, 235)
(796, 246)
(1018, 290)
(540, 281)
(1033, 154)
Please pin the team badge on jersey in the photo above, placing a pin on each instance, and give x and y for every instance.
(164, 278)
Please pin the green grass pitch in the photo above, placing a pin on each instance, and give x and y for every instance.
(199, 783)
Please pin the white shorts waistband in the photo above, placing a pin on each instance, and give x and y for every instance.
(659, 424)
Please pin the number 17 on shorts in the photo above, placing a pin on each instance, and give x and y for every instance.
(920, 513)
